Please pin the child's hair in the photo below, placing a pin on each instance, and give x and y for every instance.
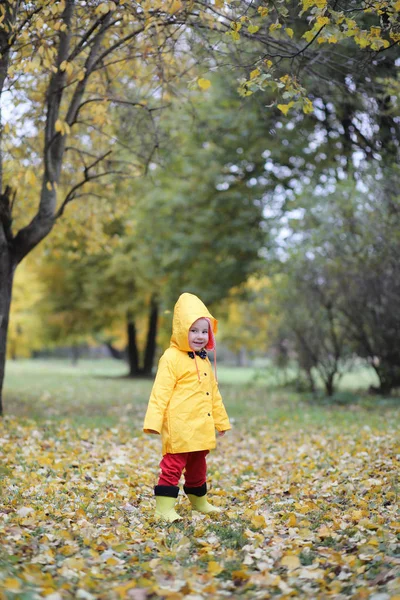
(211, 339)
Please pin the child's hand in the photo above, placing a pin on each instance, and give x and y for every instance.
(221, 433)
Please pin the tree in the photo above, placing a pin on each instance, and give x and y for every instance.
(363, 259)
(69, 61)
(309, 320)
(345, 253)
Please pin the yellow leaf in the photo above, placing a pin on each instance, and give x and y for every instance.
(258, 521)
(289, 31)
(175, 6)
(356, 515)
(214, 568)
(49, 186)
(44, 461)
(308, 36)
(255, 73)
(321, 21)
(275, 26)
(240, 575)
(285, 107)
(292, 520)
(290, 561)
(67, 550)
(324, 531)
(234, 35)
(62, 127)
(203, 84)
(11, 585)
(253, 28)
(311, 574)
(74, 563)
(307, 106)
(30, 177)
(375, 31)
(102, 9)
(362, 41)
(121, 590)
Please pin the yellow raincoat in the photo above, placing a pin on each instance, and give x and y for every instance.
(185, 406)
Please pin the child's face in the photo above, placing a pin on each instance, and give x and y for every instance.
(198, 334)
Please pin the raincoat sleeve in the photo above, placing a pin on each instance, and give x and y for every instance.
(161, 393)
(221, 419)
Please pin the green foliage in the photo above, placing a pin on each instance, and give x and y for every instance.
(196, 224)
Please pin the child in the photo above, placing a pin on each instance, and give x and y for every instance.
(185, 407)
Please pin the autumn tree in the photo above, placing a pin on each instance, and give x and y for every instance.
(68, 62)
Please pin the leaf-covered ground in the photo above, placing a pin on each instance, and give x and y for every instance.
(310, 500)
(309, 514)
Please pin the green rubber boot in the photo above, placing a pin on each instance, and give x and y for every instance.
(198, 500)
(165, 502)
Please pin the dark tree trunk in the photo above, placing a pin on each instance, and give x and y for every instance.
(75, 354)
(115, 353)
(389, 378)
(151, 338)
(133, 355)
(6, 277)
(241, 357)
(311, 381)
(329, 387)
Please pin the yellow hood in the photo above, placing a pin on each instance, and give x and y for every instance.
(187, 310)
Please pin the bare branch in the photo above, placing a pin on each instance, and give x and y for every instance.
(71, 194)
(88, 67)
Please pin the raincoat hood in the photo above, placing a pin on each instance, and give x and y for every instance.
(187, 310)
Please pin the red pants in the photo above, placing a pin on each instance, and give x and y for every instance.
(194, 464)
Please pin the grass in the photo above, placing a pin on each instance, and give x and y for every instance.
(97, 393)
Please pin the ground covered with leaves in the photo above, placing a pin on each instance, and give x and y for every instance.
(310, 510)
(304, 514)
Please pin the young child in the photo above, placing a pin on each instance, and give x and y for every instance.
(185, 407)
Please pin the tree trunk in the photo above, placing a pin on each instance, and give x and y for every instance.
(75, 353)
(133, 355)
(241, 357)
(115, 353)
(389, 378)
(328, 382)
(6, 278)
(151, 339)
(311, 381)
